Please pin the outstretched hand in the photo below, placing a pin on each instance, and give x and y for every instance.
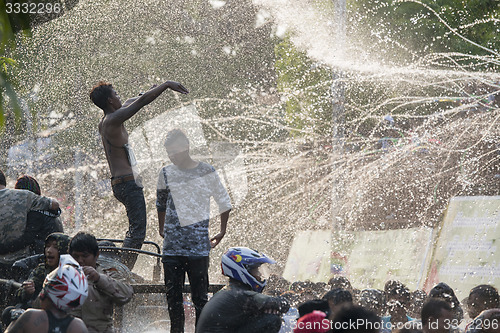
(176, 86)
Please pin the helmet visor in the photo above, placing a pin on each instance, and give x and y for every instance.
(260, 272)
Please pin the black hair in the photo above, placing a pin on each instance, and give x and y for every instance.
(62, 241)
(373, 299)
(100, 94)
(340, 281)
(338, 296)
(488, 292)
(433, 307)
(442, 290)
(398, 291)
(84, 242)
(358, 319)
(445, 292)
(28, 183)
(311, 305)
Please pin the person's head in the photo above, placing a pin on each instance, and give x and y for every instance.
(337, 298)
(397, 311)
(292, 297)
(339, 281)
(437, 315)
(311, 305)
(3, 180)
(244, 265)
(488, 321)
(418, 298)
(177, 146)
(320, 288)
(104, 96)
(392, 284)
(445, 292)
(56, 244)
(298, 286)
(482, 297)
(66, 287)
(373, 299)
(84, 248)
(28, 183)
(397, 291)
(356, 319)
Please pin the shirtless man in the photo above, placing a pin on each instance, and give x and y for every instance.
(120, 157)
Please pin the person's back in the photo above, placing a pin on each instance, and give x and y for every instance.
(40, 321)
(14, 208)
(241, 307)
(13, 216)
(231, 309)
(49, 222)
(40, 223)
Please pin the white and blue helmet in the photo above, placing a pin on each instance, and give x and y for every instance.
(237, 261)
(66, 285)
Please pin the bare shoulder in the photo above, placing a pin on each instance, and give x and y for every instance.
(104, 121)
(113, 121)
(108, 126)
(33, 320)
(77, 326)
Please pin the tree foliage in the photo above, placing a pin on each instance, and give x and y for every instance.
(9, 23)
(437, 32)
(14, 21)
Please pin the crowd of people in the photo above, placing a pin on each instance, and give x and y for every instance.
(338, 307)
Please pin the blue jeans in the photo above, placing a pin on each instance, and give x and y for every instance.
(132, 197)
(175, 269)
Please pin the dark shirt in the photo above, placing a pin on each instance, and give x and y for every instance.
(235, 306)
(39, 224)
(43, 223)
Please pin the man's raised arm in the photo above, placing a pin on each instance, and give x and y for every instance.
(133, 105)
